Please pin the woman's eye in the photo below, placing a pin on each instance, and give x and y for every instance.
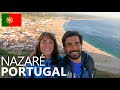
(51, 42)
(43, 41)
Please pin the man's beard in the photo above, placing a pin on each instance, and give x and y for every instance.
(74, 57)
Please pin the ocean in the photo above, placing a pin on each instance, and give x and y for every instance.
(101, 33)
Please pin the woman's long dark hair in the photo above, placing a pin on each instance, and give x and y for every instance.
(55, 52)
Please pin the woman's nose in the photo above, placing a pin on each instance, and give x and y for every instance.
(47, 45)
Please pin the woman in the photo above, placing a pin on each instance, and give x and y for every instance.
(47, 46)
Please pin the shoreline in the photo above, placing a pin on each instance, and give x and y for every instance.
(96, 50)
(89, 48)
(103, 60)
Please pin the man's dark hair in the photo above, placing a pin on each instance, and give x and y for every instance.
(70, 34)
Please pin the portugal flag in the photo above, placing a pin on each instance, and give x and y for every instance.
(11, 19)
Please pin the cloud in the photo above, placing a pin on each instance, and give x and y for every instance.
(101, 14)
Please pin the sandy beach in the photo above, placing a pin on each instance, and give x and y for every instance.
(103, 61)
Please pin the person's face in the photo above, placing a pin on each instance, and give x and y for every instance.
(73, 48)
(47, 46)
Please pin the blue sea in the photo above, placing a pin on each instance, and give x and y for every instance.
(102, 33)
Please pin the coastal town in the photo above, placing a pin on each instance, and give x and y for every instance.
(25, 37)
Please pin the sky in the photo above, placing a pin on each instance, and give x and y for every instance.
(101, 14)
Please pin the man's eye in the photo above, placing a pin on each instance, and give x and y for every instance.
(77, 43)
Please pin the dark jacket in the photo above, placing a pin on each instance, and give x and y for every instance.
(48, 63)
(88, 70)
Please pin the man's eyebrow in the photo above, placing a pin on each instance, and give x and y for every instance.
(77, 42)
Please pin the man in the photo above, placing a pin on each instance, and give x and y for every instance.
(76, 63)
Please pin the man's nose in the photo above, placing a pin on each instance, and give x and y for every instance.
(74, 47)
